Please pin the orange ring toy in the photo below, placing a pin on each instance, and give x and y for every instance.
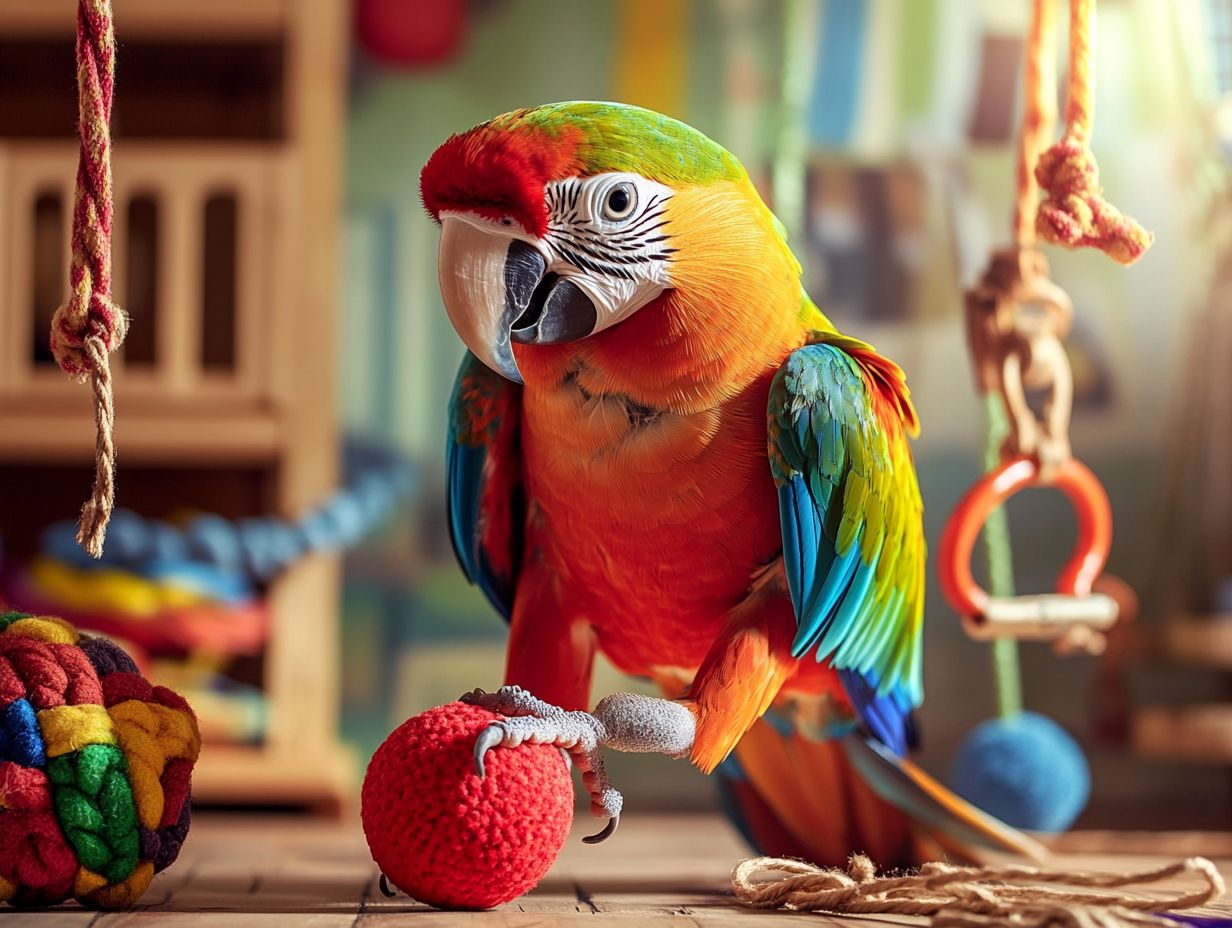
(1090, 502)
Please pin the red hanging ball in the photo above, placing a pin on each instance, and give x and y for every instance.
(411, 33)
(445, 837)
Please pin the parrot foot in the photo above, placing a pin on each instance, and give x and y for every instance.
(623, 722)
(510, 701)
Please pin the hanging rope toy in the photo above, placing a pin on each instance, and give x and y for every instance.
(89, 326)
(1022, 767)
(1073, 617)
(1016, 320)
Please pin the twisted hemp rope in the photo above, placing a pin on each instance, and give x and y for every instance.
(974, 897)
(1039, 116)
(1074, 212)
(88, 326)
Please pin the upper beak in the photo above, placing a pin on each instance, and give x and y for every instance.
(497, 290)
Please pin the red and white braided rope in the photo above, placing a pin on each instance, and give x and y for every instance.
(88, 326)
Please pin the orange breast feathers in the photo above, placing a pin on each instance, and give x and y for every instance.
(654, 521)
(645, 444)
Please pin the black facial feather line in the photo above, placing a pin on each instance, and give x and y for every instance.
(609, 254)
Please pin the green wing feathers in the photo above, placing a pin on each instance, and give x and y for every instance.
(852, 522)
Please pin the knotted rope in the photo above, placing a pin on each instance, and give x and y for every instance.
(88, 326)
(1074, 212)
(974, 897)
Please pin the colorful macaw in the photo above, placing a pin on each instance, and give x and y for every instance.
(661, 449)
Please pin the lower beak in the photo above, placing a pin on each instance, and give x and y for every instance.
(497, 291)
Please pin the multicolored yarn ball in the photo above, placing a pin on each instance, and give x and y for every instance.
(95, 768)
(1026, 771)
(444, 836)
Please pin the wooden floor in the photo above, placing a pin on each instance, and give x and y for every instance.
(247, 872)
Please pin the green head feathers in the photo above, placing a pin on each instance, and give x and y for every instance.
(619, 137)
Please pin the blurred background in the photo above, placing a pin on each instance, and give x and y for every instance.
(281, 396)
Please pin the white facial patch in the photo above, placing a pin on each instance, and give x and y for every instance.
(607, 235)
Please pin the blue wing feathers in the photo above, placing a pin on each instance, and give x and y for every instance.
(801, 536)
(832, 592)
(851, 608)
(483, 419)
(887, 716)
(464, 466)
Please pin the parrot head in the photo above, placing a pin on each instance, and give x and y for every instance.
(564, 220)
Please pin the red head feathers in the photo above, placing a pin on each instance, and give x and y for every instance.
(498, 170)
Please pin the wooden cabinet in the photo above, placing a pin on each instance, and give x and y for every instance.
(227, 248)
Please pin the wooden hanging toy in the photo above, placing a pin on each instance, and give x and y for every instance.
(1017, 321)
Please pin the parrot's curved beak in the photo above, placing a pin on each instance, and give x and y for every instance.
(498, 290)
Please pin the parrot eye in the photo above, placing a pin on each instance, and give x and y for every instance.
(619, 202)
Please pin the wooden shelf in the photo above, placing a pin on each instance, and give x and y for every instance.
(216, 19)
(1202, 640)
(324, 780)
(277, 406)
(67, 436)
(1195, 734)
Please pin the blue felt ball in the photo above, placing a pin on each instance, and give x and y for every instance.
(1026, 771)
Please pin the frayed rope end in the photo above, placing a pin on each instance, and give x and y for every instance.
(1075, 214)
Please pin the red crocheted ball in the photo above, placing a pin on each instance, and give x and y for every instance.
(447, 838)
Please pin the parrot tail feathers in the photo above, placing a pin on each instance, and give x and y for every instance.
(822, 801)
(958, 827)
(795, 797)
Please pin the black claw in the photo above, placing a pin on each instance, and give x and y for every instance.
(385, 890)
(608, 830)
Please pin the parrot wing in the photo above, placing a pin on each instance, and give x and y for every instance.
(853, 549)
(484, 479)
(851, 516)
